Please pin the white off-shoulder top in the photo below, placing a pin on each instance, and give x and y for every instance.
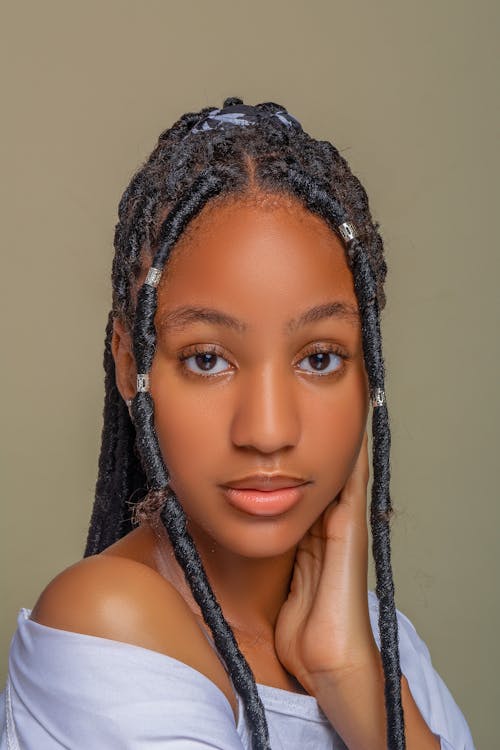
(81, 692)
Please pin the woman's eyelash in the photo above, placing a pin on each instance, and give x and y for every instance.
(198, 350)
(325, 360)
(203, 358)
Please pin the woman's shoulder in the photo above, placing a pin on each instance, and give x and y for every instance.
(106, 596)
(125, 600)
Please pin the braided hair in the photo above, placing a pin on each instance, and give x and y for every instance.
(199, 160)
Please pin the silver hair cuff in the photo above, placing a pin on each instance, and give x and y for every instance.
(143, 382)
(153, 277)
(378, 397)
(347, 231)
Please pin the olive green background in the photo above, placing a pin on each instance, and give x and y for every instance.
(407, 91)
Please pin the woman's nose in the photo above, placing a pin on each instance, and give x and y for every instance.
(266, 415)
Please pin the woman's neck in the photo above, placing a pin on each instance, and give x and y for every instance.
(250, 591)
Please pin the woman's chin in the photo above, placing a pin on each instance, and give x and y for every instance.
(251, 537)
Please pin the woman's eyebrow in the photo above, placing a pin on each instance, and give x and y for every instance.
(340, 310)
(182, 317)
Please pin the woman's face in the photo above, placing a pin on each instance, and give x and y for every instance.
(256, 396)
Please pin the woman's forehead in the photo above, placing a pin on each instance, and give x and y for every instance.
(253, 245)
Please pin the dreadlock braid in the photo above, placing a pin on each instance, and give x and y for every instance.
(319, 201)
(189, 167)
(381, 507)
(120, 472)
(239, 669)
(206, 186)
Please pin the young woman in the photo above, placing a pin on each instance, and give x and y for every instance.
(222, 599)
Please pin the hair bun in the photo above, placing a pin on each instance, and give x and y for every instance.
(232, 101)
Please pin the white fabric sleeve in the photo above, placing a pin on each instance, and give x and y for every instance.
(73, 691)
(433, 698)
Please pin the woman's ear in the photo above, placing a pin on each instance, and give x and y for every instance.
(121, 348)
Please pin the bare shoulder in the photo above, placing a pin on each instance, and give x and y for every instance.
(125, 600)
(112, 597)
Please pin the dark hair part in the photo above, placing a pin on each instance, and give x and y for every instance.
(186, 172)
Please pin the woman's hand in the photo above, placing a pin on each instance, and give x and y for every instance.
(323, 628)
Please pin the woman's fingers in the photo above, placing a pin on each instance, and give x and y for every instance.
(352, 498)
(358, 480)
(362, 468)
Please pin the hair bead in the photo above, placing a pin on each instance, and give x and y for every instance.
(378, 397)
(153, 277)
(143, 382)
(347, 231)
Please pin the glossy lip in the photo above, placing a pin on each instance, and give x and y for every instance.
(265, 503)
(265, 482)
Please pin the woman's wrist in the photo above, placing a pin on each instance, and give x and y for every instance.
(353, 701)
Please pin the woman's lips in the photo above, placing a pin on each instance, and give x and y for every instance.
(264, 502)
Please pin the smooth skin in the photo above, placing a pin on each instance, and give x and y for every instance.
(264, 394)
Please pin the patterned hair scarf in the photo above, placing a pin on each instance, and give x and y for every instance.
(241, 115)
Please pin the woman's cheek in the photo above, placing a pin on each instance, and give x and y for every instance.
(187, 435)
(339, 440)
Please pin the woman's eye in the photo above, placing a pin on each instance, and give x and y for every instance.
(324, 362)
(206, 362)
